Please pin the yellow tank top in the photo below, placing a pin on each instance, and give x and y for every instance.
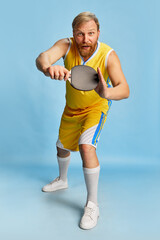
(76, 99)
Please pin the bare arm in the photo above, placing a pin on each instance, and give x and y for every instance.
(45, 60)
(120, 88)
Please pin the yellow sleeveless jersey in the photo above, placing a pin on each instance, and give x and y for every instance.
(78, 100)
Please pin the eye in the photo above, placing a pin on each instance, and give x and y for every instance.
(79, 34)
(91, 33)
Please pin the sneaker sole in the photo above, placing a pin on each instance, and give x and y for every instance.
(88, 228)
(54, 190)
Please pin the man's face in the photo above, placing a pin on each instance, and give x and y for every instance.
(86, 36)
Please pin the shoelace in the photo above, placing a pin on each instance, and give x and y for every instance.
(56, 180)
(89, 211)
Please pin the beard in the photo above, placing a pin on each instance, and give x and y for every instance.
(86, 50)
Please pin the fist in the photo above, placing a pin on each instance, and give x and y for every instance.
(57, 72)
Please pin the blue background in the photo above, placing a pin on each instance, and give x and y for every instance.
(31, 106)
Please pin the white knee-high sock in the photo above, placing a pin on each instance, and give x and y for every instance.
(91, 176)
(63, 167)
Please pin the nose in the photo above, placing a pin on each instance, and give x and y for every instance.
(85, 38)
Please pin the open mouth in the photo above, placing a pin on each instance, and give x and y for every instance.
(85, 47)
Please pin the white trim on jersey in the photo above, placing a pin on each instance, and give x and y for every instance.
(68, 49)
(107, 57)
(82, 60)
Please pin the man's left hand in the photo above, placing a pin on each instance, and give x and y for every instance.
(101, 88)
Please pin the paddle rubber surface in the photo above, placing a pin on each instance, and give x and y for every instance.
(84, 78)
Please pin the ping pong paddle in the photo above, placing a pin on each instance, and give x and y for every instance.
(83, 78)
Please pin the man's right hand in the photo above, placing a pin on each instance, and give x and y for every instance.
(57, 72)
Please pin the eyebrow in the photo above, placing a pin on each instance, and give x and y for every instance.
(88, 30)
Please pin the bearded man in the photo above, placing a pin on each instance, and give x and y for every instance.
(85, 112)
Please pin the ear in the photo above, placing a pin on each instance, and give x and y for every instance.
(98, 33)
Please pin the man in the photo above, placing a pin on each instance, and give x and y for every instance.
(85, 112)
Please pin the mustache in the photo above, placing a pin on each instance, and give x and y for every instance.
(86, 45)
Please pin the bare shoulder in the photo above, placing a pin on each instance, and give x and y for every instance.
(59, 49)
(63, 44)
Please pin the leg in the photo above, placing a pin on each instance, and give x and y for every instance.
(62, 153)
(91, 170)
(63, 157)
(89, 156)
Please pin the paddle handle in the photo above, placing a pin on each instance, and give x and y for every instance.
(69, 79)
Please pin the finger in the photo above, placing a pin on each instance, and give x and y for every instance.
(61, 77)
(101, 78)
(99, 74)
(56, 75)
(50, 71)
(67, 75)
(61, 74)
(96, 89)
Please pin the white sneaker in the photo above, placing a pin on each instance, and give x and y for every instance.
(55, 185)
(90, 216)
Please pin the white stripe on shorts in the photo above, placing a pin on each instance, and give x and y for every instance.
(59, 144)
(87, 136)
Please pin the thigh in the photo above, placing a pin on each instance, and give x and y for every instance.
(92, 128)
(88, 155)
(69, 131)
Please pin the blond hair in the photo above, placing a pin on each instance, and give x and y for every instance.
(84, 17)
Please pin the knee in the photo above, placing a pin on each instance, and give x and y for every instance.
(62, 152)
(86, 148)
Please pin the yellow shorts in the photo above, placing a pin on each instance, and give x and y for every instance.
(80, 127)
